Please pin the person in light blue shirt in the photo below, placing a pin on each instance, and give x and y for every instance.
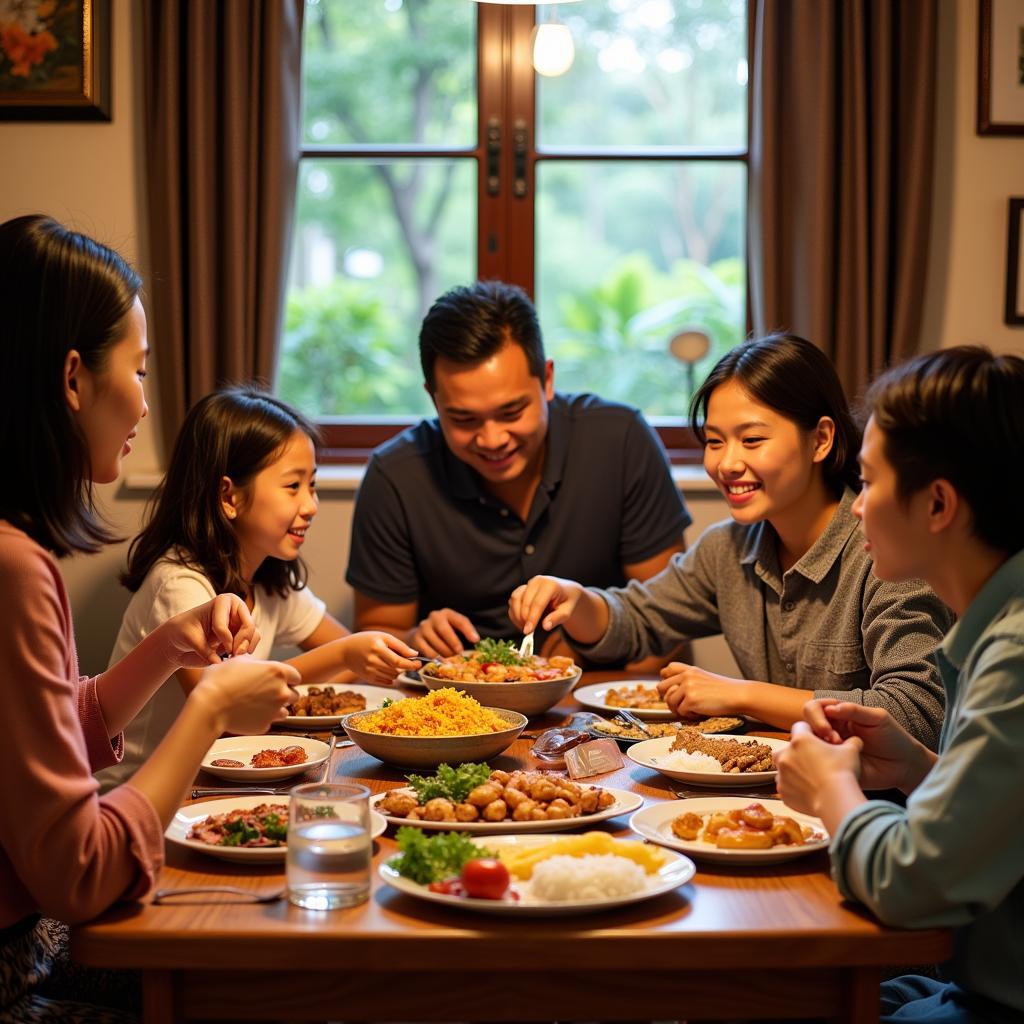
(942, 499)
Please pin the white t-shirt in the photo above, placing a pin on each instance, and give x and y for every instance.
(170, 588)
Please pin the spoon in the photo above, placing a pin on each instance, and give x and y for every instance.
(526, 647)
(633, 720)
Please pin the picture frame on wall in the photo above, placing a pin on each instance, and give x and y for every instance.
(1000, 67)
(1015, 265)
(55, 61)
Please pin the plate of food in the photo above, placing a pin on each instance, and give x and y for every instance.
(522, 875)
(626, 733)
(723, 760)
(473, 799)
(248, 829)
(731, 829)
(495, 673)
(263, 758)
(325, 706)
(642, 698)
(442, 727)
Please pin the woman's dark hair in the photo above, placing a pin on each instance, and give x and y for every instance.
(469, 324)
(796, 379)
(958, 415)
(235, 432)
(59, 291)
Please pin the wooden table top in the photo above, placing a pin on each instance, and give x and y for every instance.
(727, 916)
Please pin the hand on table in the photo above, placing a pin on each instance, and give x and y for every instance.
(378, 656)
(890, 759)
(810, 770)
(203, 635)
(690, 691)
(437, 636)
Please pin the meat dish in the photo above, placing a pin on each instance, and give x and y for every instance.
(280, 758)
(753, 827)
(263, 825)
(497, 661)
(646, 698)
(732, 755)
(319, 702)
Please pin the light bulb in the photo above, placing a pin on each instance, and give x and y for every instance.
(553, 49)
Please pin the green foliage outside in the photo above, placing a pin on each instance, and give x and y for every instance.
(629, 253)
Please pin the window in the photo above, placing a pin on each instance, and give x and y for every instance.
(615, 194)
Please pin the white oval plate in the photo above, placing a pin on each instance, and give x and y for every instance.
(676, 871)
(655, 823)
(654, 753)
(375, 697)
(410, 679)
(242, 748)
(188, 815)
(593, 695)
(625, 802)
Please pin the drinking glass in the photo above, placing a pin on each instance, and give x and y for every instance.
(328, 861)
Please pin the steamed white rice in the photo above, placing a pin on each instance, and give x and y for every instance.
(681, 761)
(593, 876)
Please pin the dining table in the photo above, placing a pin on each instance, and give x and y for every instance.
(740, 940)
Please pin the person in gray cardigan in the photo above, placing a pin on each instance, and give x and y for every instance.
(787, 581)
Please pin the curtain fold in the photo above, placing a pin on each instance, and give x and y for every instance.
(222, 103)
(842, 127)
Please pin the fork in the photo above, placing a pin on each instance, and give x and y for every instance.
(526, 647)
(162, 895)
(201, 791)
(685, 794)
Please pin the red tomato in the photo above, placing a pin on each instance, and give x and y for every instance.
(485, 879)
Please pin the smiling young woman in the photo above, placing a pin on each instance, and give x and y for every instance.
(786, 581)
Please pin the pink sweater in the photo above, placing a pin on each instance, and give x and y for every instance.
(64, 851)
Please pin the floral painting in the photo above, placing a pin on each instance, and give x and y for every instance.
(53, 61)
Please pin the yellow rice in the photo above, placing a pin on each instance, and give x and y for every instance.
(444, 712)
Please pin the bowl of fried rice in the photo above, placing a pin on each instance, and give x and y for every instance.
(495, 673)
(445, 726)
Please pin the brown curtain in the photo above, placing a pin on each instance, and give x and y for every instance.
(840, 175)
(222, 141)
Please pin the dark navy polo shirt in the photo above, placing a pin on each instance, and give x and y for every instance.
(426, 530)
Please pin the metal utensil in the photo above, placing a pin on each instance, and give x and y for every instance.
(201, 791)
(248, 896)
(628, 716)
(716, 791)
(526, 647)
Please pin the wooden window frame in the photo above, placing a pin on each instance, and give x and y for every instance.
(506, 92)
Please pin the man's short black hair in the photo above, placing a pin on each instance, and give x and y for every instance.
(470, 323)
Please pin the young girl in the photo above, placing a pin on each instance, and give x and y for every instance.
(941, 499)
(786, 581)
(72, 358)
(231, 516)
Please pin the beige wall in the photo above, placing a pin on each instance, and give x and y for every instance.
(92, 176)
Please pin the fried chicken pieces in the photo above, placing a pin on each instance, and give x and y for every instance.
(753, 827)
(280, 758)
(505, 796)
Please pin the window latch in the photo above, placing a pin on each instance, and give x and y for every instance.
(493, 156)
(519, 146)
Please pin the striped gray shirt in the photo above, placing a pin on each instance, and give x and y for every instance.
(827, 624)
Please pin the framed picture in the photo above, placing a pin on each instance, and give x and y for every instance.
(55, 60)
(1001, 67)
(1015, 265)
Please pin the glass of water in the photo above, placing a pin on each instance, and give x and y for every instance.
(328, 861)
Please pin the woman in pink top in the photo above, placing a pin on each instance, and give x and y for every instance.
(72, 358)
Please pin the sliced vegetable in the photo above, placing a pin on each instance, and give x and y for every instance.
(454, 784)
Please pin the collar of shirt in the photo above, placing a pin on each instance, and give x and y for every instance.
(465, 483)
(1005, 583)
(761, 547)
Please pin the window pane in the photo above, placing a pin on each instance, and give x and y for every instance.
(630, 254)
(375, 244)
(389, 71)
(649, 73)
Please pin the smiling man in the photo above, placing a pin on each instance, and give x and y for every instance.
(510, 480)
